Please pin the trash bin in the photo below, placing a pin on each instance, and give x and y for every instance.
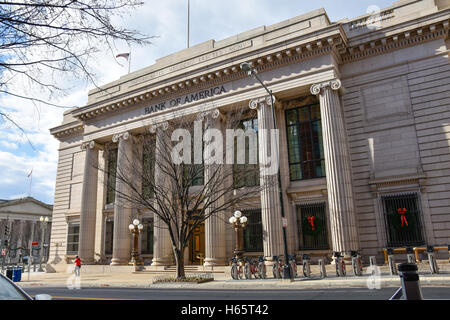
(9, 273)
(17, 274)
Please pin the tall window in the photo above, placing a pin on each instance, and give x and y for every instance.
(246, 175)
(403, 220)
(312, 227)
(111, 182)
(304, 134)
(73, 238)
(109, 234)
(147, 237)
(253, 235)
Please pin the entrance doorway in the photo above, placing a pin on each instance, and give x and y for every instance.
(197, 245)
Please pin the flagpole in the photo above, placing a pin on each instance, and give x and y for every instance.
(188, 24)
(129, 62)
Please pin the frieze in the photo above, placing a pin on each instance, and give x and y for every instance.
(191, 62)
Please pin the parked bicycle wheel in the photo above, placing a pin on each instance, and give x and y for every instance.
(234, 271)
(262, 270)
(343, 268)
(293, 267)
(306, 270)
(247, 271)
(276, 271)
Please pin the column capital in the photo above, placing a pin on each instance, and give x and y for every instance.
(91, 145)
(163, 125)
(255, 103)
(334, 84)
(118, 136)
(215, 113)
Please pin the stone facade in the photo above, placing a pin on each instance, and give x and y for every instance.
(382, 82)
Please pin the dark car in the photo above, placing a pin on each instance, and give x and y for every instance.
(10, 291)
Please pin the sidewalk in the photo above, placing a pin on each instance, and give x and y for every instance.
(223, 281)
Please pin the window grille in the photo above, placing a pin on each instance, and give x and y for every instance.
(73, 238)
(403, 220)
(312, 227)
(253, 235)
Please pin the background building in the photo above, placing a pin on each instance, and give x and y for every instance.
(21, 217)
(363, 112)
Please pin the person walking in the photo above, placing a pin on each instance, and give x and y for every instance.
(77, 266)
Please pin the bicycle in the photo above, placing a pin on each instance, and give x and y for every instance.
(250, 268)
(356, 263)
(293, 265)
(340, 265)
(237, 271)
(277, 267)
(306, 266)
(262, 268)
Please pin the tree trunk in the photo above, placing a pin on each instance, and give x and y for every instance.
(179, 260)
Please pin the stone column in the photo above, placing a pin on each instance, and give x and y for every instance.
(338, 169)
(162, 246)
(215, 234)
(270, 198)
(86, 246)
(122, 207)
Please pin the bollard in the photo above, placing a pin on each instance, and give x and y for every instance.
(306, 266)
(410, 281)
(432, 260)
(323, 270)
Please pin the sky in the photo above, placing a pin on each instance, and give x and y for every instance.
(167, 22)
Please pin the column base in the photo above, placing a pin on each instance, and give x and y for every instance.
(119, 262)
(161, 262)
(210, 263)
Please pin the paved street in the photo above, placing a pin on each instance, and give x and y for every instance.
(199, 294)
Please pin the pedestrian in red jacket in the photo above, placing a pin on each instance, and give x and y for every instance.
(77, 266)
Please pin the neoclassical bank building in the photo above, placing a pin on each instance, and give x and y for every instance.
(363, 111)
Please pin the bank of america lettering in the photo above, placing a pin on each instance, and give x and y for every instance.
(185, 99)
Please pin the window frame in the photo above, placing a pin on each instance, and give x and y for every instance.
(298, 124)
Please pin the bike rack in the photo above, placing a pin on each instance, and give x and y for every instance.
(340, 264)
(391, 262)
(356, 263)
(323, 270)
(306, 265)
(410, 255)
(432, 260)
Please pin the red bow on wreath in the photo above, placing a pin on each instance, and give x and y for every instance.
(402, 212)
(311, 221)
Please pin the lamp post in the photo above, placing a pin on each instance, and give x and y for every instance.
(44, 222)
(247, 67)
(239, 222)
(136, 228)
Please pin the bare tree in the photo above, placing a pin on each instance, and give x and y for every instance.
(174, 192)
(42, 40)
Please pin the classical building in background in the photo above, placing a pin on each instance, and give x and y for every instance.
(20, 226)
(363, 108)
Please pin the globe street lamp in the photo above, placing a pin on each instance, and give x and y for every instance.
(44, 222)
(252, 72)
(239, 222)
(136, 228)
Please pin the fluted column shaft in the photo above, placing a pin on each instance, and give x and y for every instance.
(162, 245)
(270, 197)
(215, 232)
(338, 169)
(86, 245)
(122, 207)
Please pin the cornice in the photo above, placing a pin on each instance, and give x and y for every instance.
(67, 130)
(396, 41)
